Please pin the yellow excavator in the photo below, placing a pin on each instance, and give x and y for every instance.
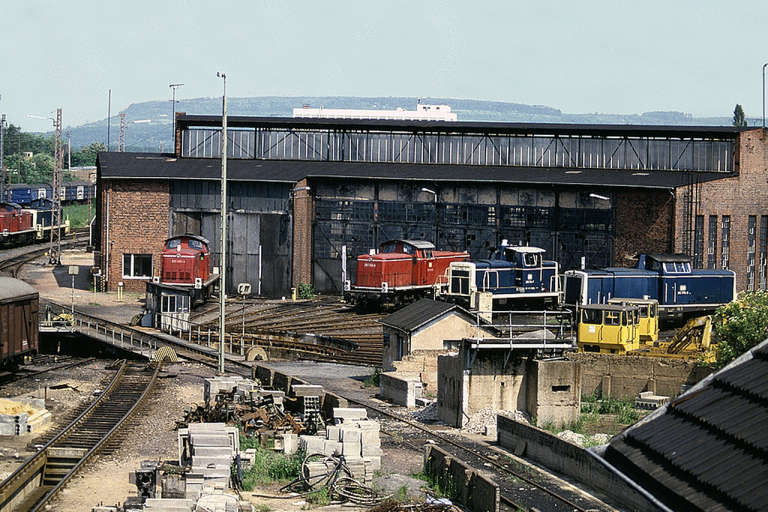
(621, 327)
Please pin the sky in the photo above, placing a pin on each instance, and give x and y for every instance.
(698, 57)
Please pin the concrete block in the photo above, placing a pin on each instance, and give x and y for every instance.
(333, 433)
(290, 443)
(307, 390)
(373, 461)
(312, 444)
(331, 447)
(168, 505)
(351, 448)
(348, 414)
(351, 435)
(211, 451)
(368, 425)
(370, 438)
(216, 440)
(208, 461)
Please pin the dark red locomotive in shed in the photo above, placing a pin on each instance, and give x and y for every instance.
(19, 323)
(186, 261)
(401, 272)
(186, 264)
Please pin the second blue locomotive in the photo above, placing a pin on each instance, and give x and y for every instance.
(682, 291)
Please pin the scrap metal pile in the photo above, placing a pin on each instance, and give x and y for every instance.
(258, 412)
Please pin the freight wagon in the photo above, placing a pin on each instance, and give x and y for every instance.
(19, 323)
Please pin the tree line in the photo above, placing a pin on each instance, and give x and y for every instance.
(29, 157)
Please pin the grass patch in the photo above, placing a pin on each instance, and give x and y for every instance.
(78, 214)
(374, 379)
(269, 466)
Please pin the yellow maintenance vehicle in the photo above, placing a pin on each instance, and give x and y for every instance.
(630, 327)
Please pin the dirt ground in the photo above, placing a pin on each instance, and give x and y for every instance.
(153, 437)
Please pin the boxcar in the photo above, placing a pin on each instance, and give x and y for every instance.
(19, 323)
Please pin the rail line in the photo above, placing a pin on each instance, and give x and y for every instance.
(44, 474)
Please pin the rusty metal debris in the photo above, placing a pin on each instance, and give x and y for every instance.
(255, 416)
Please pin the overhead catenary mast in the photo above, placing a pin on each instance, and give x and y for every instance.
(58, 157)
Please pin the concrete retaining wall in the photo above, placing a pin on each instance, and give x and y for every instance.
(627, 376)
(401, 388)
(464, 484)
(543, 448)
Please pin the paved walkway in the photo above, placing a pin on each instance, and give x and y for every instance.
(56, 285)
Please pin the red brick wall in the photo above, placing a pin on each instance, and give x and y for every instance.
(302, 235)
(739, 197)
(643, 224)
(138, 217)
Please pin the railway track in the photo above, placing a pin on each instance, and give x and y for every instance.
(44, 474)
(285, 325)
(11, 260)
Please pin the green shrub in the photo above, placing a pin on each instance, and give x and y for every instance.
(374, 379)
(306, 291)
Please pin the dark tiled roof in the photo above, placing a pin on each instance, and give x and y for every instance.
(708, 449)
(415, 315)
(166, 166)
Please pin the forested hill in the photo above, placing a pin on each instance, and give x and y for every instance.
(149, 124)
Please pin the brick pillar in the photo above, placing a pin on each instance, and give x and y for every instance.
(302, 233)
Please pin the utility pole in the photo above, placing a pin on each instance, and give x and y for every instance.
(55, 249)
(2, 158)
(173, 118)
(223, 263)
(121, 136)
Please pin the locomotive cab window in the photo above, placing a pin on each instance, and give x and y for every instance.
(388, 248)
(591, 316)
(409, 249)
(137, 265)
(531, 260)
(173, 244)
(195, 244)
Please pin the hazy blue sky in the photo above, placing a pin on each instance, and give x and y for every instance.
(699, 57)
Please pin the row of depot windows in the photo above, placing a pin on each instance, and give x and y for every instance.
(757, 247)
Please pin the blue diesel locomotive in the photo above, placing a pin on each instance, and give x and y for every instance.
(682, 291)
(516, 276)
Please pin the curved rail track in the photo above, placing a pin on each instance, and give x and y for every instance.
(44, 474)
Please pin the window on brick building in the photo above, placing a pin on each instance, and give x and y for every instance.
(698, 243)
(725, 244)
(712, 243)
(137, 265)
(751, 235)
(763, 251)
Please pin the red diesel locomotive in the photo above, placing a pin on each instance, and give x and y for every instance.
(22, 226)
(186, 263)
(402, 271)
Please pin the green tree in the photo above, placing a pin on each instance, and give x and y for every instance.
(87, 155)
(740, 325)
(739, 119)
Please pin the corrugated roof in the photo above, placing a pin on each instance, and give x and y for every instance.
(708, 449)
(560, 129)
(167, 166)
(418, 314)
